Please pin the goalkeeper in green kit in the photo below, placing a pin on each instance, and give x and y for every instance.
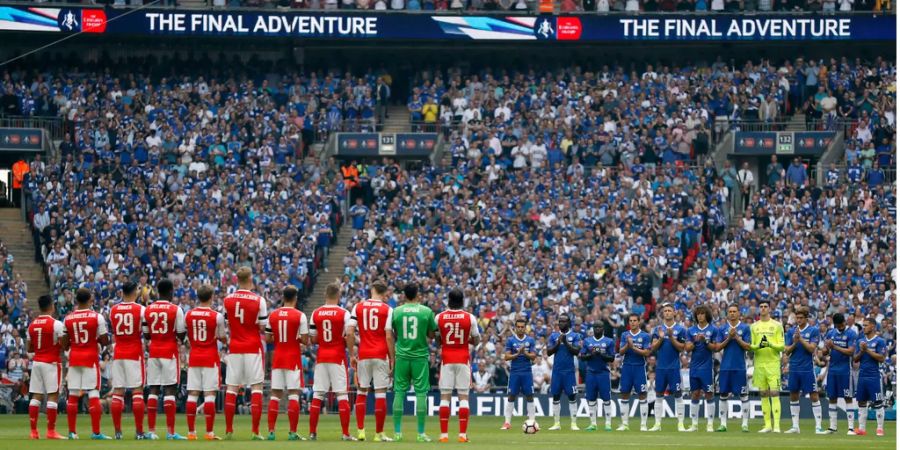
(414, 327)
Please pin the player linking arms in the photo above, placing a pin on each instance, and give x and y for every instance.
(288, 330)
(414, 326)
(373, 359)
(46, 339)
(205, 329)
(767, 343)
(457, 328)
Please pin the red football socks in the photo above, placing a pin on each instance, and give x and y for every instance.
(116, 406)
(273, 412)
(361, 411)
(256, 409)
(314, 409)
(230, 406)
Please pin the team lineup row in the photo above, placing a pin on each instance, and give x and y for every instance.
(394, 344)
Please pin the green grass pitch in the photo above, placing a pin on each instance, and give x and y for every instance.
(484, 433)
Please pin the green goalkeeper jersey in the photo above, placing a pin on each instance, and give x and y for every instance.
(772, 332)
(412, 323)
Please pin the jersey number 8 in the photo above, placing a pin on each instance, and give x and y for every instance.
(326, 331)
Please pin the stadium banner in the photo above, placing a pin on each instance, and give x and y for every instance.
(358, 144)
(411, 145)
(21, 139)
(491, 404)
(415, 144)
(762, 143)
(400, 26)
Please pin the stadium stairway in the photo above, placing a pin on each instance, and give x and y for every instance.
(335, 267)
(397, 120)
(797, 123)
(14, 233)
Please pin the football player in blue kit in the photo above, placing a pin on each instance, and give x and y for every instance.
(734, 340)
(841, 342)
(634, 344)
(668, 342)
(520, 351)
(598, 351)
(870, 353)
(564, 346)
(702, 342)
(800, 344)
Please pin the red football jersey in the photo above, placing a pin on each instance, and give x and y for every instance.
(456, 328)
(126, 321)
(245, 311)
(44, 334)
(286, 326)
(163, 321)
(329, 323)
(84, 326)
(373, 320)
(204, 327)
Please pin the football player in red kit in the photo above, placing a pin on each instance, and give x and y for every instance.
(46, 339)
(374, 357)
(164, 329)
(288, 330)
(127, 366)
(246, 313)
(87, 332)
(205, 329)
(329, 329)
(458, 329)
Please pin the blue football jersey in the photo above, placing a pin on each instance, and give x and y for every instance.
(840, 363)
(667, 356)
(802, 360)
(604, 346)
(520, 363)
(701, 357)
(564, 359)
(868, 367)
(733, 355)
(640, 341)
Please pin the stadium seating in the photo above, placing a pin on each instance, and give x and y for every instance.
(576, 191)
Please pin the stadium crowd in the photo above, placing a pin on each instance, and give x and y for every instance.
(578, 191)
